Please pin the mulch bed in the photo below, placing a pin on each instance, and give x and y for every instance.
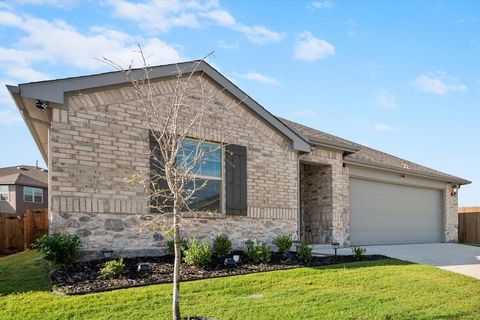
(84, 277)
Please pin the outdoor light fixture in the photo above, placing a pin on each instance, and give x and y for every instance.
(107, 253)
(454, 189)
(41, 104)
(335, 246)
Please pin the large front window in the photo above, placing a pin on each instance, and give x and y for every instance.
(204, 160)
(31, 194)
(3, 193)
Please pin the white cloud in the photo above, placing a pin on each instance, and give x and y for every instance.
(157, 15)
(321, 5)
(438, 82)
(228, 45)
(309, 49)
(57, 42)
(255, 76)
(352, 26)
(373, 69)
(305, 113)
(25, 74)
(386, 100)
(162, 16)
(383, 128)
(64, 4)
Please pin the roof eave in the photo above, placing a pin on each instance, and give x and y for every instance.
(333, 145)
(15, 94)
(375, 165)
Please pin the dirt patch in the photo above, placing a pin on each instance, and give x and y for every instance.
(84, 277)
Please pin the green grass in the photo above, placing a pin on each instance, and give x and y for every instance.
(387, 289)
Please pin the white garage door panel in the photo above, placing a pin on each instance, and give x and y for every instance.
(383, 213)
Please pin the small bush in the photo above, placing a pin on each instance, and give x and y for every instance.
(258, 251)
(59, 249)
(198, 254)
(112, 269)
(358, 251)
(283, 243)
(171, 249)
(305, 252)
(222, 246)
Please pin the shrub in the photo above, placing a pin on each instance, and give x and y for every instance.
(305, 252)
(258, 251)
(222, 246)
(183, 244)
(112, 269)
(283, 243)
(198, 254)
(59, 249)
(358, 251)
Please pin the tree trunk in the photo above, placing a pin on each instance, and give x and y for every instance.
(176, 266)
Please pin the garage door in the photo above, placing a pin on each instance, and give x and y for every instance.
(384, 213)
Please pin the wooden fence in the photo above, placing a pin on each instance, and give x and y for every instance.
(469, 225)
(18, 232)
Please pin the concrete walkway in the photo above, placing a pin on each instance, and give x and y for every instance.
(449, 256)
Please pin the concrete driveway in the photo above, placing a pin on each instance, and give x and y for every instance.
(449, 256)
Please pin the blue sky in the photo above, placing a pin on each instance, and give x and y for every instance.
(402, 77)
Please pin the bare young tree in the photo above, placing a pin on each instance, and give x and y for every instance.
(172, 184)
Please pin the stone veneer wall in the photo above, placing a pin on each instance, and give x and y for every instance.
(316, 203)
(340, 212)
(451, 216)
(102, 139)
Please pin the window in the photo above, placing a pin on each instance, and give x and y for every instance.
(3, 193)
(207, 173)
(31, 194)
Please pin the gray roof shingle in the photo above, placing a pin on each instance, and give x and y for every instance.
(371, 156)
(25, 176)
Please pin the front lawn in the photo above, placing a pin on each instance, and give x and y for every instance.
(386, 289)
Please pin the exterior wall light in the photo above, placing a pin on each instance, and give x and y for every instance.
(335, 246)
(41, 104)
(454, 189)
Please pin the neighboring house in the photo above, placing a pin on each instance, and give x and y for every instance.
(289, 179)
(23, 187)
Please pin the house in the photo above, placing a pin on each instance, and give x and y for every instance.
(23, 187)
(290, 179)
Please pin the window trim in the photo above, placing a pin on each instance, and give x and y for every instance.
(7, 193)
(34, 191)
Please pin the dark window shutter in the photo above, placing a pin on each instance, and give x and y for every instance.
(236, 179)
(156, 172)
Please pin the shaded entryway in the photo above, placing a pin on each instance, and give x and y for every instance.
(316, 203)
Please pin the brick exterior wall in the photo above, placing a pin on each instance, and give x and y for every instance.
(451, 216)
(338, 175)
(103, 138)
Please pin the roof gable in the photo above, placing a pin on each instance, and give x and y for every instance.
(54, 91)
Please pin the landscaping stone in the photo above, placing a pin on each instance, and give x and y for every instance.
(114, 225)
